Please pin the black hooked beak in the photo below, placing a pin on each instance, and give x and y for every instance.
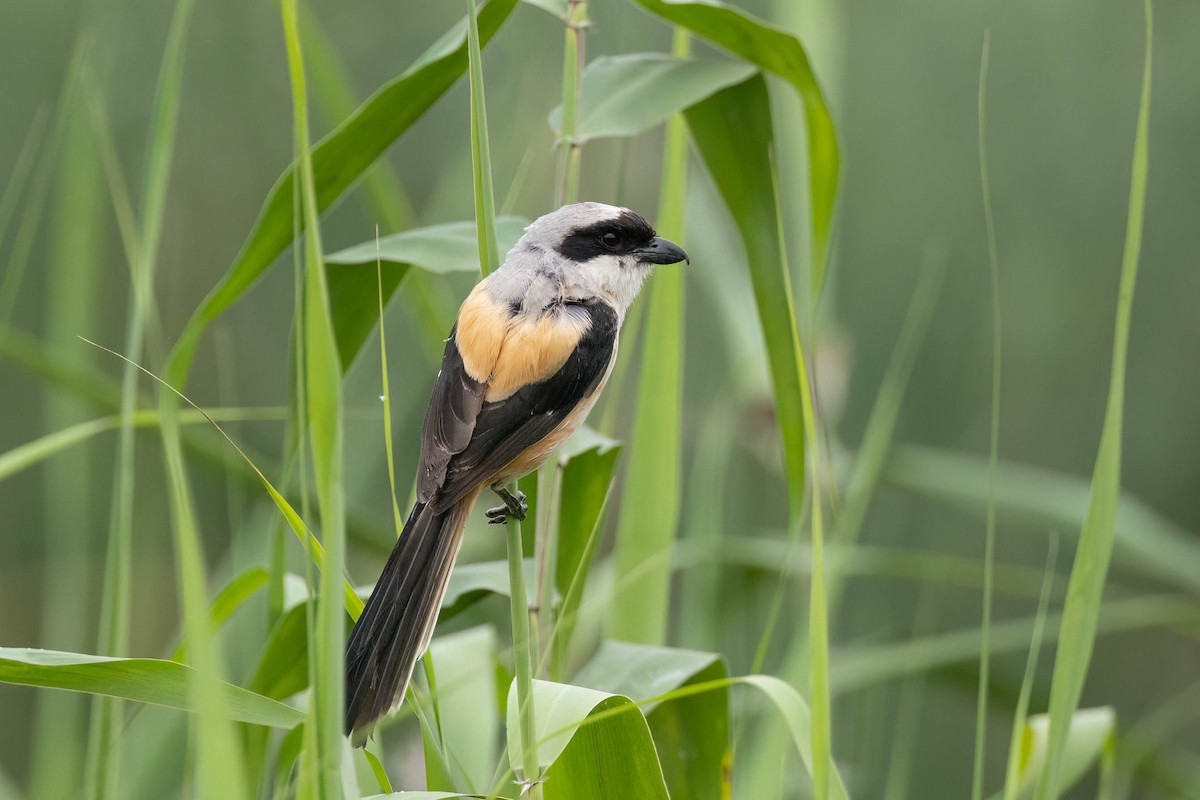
(661, 251)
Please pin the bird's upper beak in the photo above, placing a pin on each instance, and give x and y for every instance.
(661, 251)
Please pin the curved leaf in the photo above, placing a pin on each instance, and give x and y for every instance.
(448, 247)
(146, 680)
(732, 130)
(780, 53)
(591, 745)
(338, 161)
(691, 732)
(628, 94)
(1091, 730)
(796, 716)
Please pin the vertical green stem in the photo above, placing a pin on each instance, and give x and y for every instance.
(103, 746)
(489, 261)
(549, 499)
(78, 233)
(570, 149)
(521, 655)
(649, 516)
(322, 385)
(481, 155)
(981, 704)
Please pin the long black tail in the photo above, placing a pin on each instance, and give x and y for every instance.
(397, 623)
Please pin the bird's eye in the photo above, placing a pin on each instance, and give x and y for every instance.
(610, 241)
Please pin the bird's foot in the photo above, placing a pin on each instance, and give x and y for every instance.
(514, 506)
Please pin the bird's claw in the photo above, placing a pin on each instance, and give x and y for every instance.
(514, 506)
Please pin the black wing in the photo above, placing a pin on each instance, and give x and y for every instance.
(450, 420)
(506, 428)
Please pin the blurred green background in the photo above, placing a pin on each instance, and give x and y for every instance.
(902, 81)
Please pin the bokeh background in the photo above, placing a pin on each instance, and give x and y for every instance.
(902, 81)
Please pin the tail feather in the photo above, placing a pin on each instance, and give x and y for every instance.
(397, 622)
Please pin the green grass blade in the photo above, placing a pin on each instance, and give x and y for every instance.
(32, 453)
(43, 174)
(353, 603)
(335, 100)
(323, 393)
(397, 517)
(481, 154)
(649, 517)
(145, 680)
(489, 261)
(77, 233)
(1012, 769)
(879, 433)
(1094, 550)
(217, 753)
(866, 665)
(338, 161)
(22, 169)
(1147, 541)
(104, 749)
(981, 704)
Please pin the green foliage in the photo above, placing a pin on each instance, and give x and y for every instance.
(146, 680)
(557, 672)
(1094, 551)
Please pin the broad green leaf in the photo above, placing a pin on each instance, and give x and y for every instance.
(339, 160)
(732, 130)
(1090, 732)
(778, 52)
(282, 670)
(445, 248)
(468, 712)
(628, 94)
(354, 287)
(691, 732)
(470, 583)
(591, 745)
(1085, 591)
(145, 680)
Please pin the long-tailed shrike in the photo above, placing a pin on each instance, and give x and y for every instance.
(532, 347)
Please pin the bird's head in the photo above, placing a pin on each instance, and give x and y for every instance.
(612, 249)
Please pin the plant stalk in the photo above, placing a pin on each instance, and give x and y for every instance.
(570, 148)
(521, 656)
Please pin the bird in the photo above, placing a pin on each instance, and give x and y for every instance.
(532, 347)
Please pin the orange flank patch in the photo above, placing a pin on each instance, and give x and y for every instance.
(534, 350)
(482, 327)
(508, 351)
